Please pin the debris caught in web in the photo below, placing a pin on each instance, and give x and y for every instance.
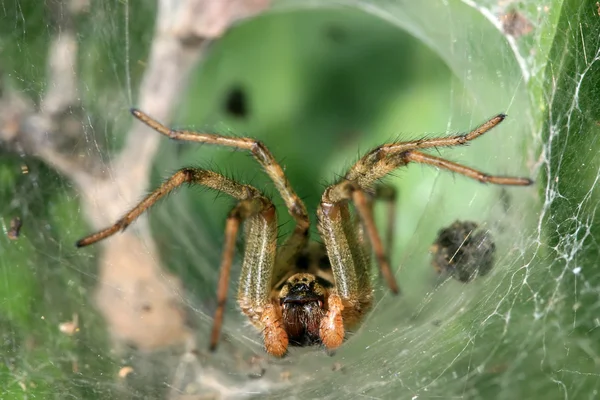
(463, 251)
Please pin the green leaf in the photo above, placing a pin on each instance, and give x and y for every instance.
(325, 81)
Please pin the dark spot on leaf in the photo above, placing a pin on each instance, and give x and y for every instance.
(515, 24)
(15, 228)
(236, 102)
(336, 33)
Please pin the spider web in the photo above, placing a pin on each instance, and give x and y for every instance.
(328, 82)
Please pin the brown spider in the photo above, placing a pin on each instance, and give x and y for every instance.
(303, 292)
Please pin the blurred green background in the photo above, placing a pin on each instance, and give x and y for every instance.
(322, 85)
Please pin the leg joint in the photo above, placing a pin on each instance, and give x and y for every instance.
(297, 210)
(191, 174)
(339, 192)
(261, 152)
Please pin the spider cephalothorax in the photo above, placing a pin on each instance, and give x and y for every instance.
(303, 292)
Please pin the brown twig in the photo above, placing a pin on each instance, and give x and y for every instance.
(138, 298)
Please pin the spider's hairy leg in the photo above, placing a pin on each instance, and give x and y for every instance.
(350, 266)
(186, 175)
(341, 240)
(388, 195)
(275, 337)
(419, 157)
(386, 158)
(232, 226)
(365, 211)
(331, 329)
(256, 277)
(255, 209)
(381, 161)
(338, 195)
(261, 153)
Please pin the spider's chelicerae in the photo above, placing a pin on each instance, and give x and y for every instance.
(302, 292)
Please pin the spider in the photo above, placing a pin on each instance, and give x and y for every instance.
(303, 292)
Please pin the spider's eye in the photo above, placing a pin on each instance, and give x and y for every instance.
(301, 293)
(300, 288)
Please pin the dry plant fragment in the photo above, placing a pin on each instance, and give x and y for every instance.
(515, 24)
(337, 366)
(70, 327)
(463, 251)
(285, 375)
(125, 371)
(15, 228)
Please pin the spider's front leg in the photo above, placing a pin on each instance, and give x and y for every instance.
(255, 280)
(331, 329)
(387, 195)
(352, 297)
(274, 335)
(383, 160)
